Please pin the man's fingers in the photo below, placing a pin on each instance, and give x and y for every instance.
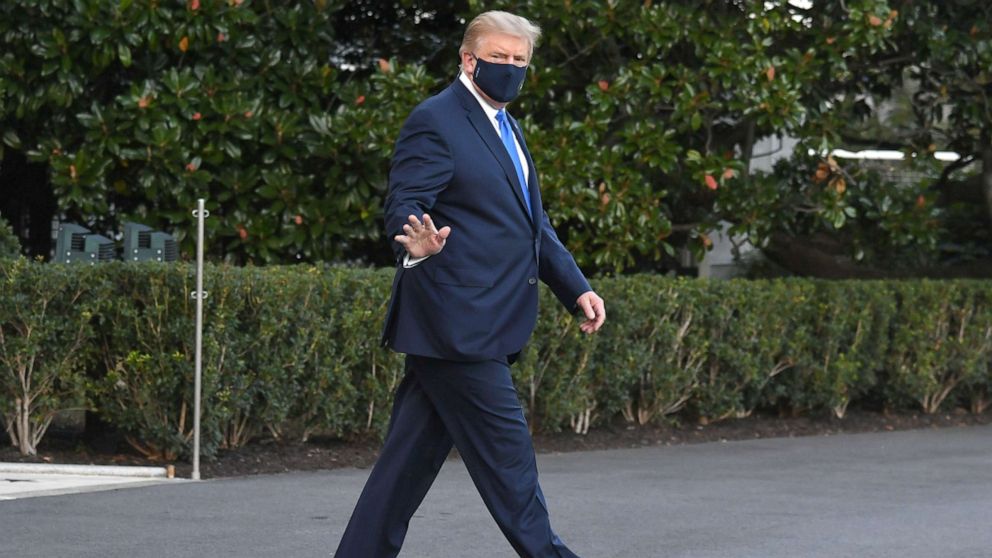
(414, 222)
(595, 311)
(426, 229)
(600, 309)
(587, 307)
(422, 238)
(429, 224)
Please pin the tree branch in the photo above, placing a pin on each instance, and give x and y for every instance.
(941, 182)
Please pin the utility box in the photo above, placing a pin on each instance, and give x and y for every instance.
(142, 244)
(76, 244)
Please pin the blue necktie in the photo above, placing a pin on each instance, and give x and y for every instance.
(511, 147)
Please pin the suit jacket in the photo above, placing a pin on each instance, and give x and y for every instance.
(477, 298)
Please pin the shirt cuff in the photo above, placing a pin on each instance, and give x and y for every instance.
(409, 262)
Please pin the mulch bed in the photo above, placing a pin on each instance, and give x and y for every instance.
(267, 456)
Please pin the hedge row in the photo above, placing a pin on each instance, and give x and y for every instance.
(293, 351)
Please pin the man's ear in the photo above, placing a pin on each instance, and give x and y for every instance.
(468, 63)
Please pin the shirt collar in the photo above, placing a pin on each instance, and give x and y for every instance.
(489, 109)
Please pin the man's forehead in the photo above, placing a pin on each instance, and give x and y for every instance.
(505, 42)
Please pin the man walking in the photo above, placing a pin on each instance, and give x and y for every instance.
(464, 300)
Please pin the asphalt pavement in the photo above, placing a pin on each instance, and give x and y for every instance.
(925, 493)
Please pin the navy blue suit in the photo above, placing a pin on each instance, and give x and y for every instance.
(461, 316)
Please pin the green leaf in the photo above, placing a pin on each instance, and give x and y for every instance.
(124, 54)
(696, 121)
(11, 139)
(231, 149)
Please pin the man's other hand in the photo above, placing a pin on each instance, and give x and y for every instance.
(422, 238)
(594, 309)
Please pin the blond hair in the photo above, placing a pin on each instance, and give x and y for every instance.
(496, 21)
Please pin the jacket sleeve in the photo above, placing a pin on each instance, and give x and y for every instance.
(421, 169)
(557, 267)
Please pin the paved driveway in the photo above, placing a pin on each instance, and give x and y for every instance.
(920, 494)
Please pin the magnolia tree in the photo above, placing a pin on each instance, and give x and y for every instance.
(642, 117)
(139, 109)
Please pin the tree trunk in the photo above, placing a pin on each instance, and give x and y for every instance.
(24, 437)
(747, 149)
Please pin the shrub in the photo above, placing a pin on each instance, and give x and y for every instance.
(848, 342)
(146, 384)
(284, 348)
(293, 352)
(554, 374)
(757, 333)
(943, 339)
(45, 342)
(664, 344)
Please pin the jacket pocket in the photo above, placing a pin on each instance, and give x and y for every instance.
(462, 276)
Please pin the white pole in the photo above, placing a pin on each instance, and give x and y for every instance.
(199, 295)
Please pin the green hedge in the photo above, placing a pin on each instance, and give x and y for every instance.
(290, 352)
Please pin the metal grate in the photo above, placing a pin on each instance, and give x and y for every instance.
(106, 252)
(171, 250)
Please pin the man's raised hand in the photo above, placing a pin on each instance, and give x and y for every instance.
(422, 238)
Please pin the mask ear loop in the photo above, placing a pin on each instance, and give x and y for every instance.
(475, 72)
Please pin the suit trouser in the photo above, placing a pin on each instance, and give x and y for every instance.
(474, 406)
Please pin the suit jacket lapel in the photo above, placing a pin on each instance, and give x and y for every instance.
(488, 133)
(532, 185)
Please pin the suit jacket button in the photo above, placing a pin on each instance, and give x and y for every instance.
(531, 281)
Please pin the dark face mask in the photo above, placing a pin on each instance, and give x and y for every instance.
(502, 82)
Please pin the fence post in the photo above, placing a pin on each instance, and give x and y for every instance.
(200, 213)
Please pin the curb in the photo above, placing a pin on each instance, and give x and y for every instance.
(85, 470)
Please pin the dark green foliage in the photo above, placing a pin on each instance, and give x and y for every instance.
(140, 108)
(293, 352)
(46, 340)
(145, 386)
(641, 116)
(846, 337)
(757, 336)
(943, 338)
(658, 326)
(288, 350)
(10, 247)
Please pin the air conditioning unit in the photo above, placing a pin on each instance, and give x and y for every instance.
(77, 244)
(142, 243)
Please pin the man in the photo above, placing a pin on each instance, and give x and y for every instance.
(464, 300)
